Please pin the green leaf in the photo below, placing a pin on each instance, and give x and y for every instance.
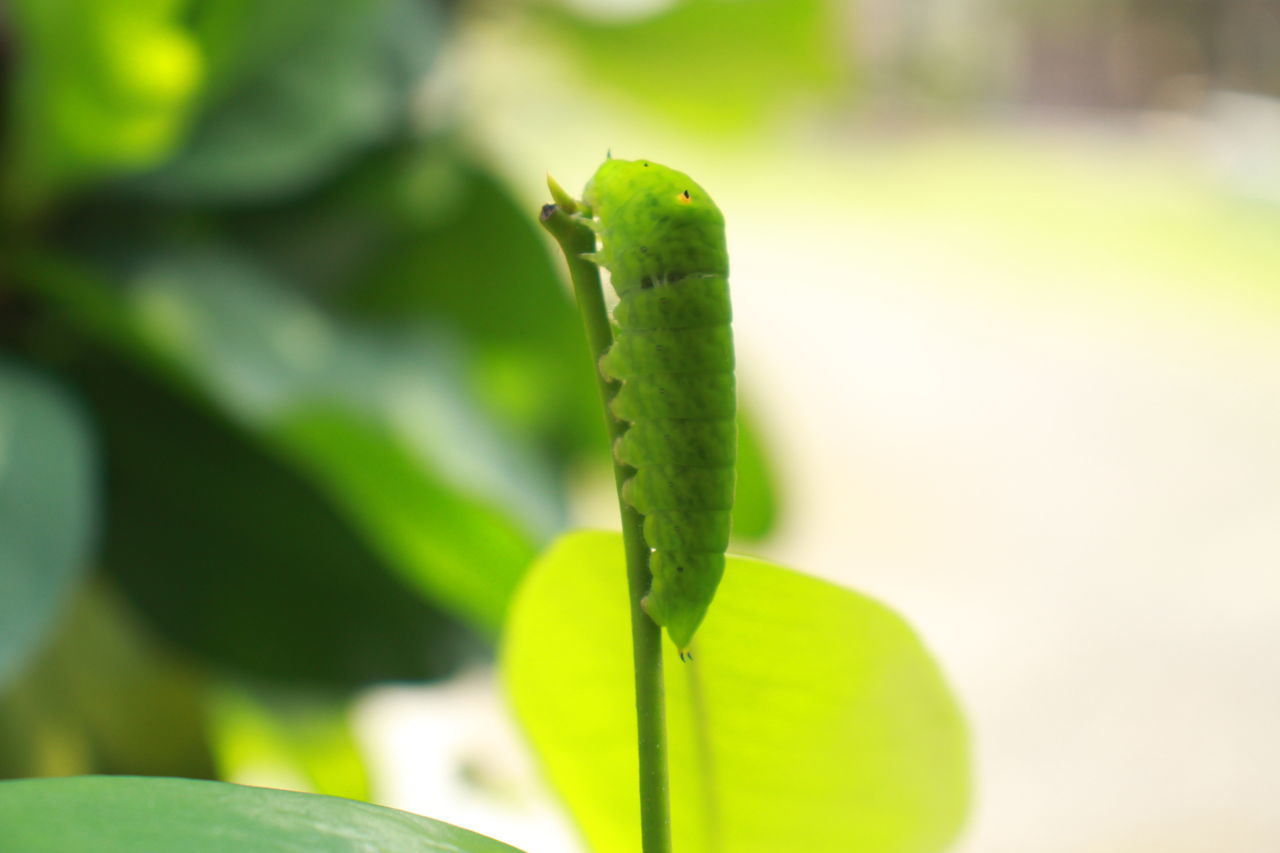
(126, 814)
(529, 355)
(711, 64)
(232, 554)
(300, 88)
(755, 503)
(461, 552)
(381, 419)
(407, 236)
(811, 718)
(47, 508)
(101, 87)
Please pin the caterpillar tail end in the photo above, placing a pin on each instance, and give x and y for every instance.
(680, 630)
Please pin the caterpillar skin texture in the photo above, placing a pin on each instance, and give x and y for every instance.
(662, 240)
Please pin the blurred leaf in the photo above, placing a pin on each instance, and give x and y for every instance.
(811, 718)
(712, 64)
(297, 88)
(104, 697)
(469, 501)
(233, 555)
(47, 509)
(369, 413)
(102, 86)
(531, 361)
(299, 740)
(755, 503)
(408, 236)
(129, 814)
(462, 552)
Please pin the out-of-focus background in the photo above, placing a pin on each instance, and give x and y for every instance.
(291, 389)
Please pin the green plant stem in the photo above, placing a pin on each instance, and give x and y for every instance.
(576, 238)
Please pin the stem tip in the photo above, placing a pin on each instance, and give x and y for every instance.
(566, 202)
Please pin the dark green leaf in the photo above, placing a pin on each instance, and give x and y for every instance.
(369, 412)
(234, 555)
(47, 509)
(380, 419)
(461, 551)
(126, 814)
(409, 236)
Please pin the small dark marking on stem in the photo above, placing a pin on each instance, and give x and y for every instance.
(548, 211)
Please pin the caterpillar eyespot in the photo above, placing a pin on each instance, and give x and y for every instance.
(673, 354)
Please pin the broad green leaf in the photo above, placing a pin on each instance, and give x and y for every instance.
(47, 509)
(811, 717)
(711, 64)
(128, 814)
(235, 556)
(381, 418)
(103, 696)
(267, 354)
(101, 87)
(462, 552)
(300, 88)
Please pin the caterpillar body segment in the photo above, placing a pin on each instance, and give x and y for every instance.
(662, 240)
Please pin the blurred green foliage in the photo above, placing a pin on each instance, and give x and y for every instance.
(302, 354)
(712, 65)
(104, 87)
(232, 555)
(294, 89)
(755, 507)
(47, 511)
(291, 391)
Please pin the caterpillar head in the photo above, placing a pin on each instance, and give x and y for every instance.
(656, 223)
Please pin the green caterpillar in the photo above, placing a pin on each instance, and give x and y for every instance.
(662, 240)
